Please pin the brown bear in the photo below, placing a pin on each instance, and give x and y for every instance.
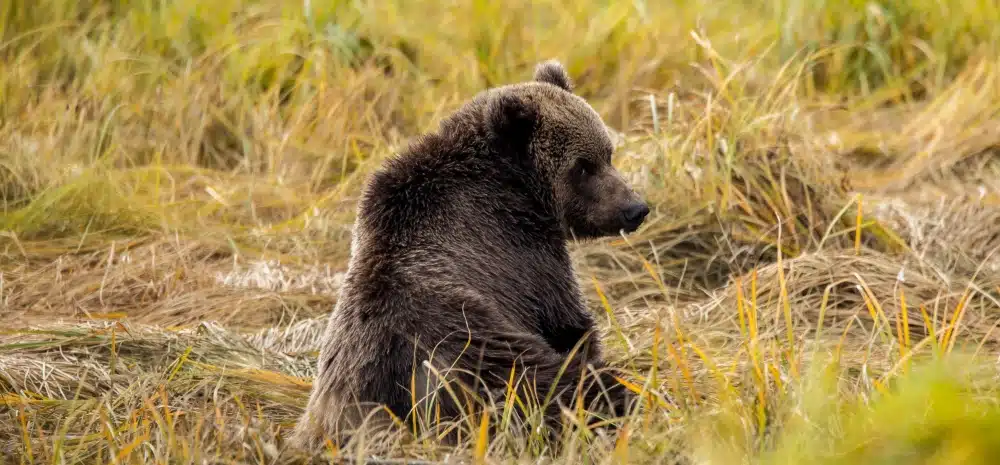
(460, 272)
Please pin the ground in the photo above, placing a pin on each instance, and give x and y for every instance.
(816, 282)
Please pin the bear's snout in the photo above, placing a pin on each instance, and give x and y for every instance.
(634, 214)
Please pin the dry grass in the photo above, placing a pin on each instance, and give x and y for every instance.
(818, 281)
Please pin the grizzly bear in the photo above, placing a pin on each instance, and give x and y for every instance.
(460, 272)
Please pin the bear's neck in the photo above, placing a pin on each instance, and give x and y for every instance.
(521, 200)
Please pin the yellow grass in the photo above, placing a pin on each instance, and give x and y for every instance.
(178, 183)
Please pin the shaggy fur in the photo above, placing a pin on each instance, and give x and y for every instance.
(459, 261)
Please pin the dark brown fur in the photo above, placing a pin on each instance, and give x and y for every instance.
(459, 258)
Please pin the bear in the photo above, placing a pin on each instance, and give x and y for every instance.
(460, 262)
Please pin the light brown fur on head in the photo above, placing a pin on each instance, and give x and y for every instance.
(572, 146)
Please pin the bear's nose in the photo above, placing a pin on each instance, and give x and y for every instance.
(636, 212)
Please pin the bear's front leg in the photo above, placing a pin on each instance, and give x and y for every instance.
(541, 373)
(564, 338)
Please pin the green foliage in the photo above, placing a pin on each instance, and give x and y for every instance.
(148, 148)
(870, 45)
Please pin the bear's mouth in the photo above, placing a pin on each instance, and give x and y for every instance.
(629, 228)
(627, 220)
(607, 230)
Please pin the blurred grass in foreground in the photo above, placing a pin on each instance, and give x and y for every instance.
(178, 178)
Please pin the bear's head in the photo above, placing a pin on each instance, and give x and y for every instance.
(543, 123)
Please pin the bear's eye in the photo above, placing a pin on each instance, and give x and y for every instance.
(586, 167)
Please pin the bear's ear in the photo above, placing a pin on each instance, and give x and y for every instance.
(553, 72)
(512, 119)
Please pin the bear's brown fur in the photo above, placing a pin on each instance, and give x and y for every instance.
(459, 260)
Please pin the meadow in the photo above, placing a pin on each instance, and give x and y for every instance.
(817, 281)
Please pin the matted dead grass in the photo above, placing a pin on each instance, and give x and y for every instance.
(184, 349)
(177, 201)
(169, 284)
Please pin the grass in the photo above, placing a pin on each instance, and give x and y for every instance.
(817, 280)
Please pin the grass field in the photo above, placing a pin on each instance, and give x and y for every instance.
(816, 283)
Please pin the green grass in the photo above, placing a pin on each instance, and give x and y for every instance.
(817, 281)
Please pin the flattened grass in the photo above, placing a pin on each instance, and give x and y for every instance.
(817, 280)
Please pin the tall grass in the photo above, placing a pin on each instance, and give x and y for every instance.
(817, 280)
